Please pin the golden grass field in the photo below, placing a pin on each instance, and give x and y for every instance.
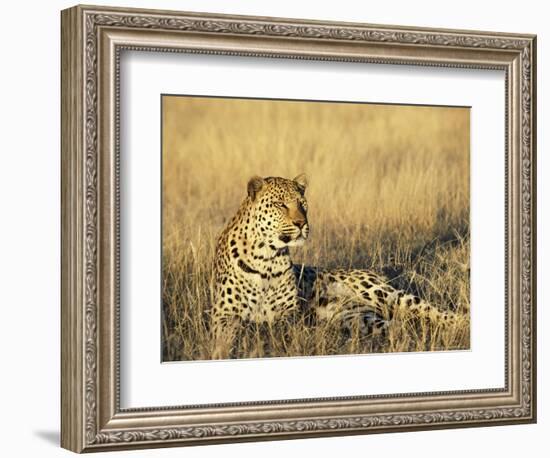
(388, 190)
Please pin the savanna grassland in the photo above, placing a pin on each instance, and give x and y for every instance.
(388, 190)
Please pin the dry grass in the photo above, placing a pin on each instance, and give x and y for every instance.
(389, 190)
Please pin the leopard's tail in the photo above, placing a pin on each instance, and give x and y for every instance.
(414, 306)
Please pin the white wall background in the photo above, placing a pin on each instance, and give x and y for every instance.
(29, 225)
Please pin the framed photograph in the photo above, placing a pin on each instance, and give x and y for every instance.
(277, 228)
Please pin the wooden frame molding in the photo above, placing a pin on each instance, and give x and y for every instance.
(92, 40)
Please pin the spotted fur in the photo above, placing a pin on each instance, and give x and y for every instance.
(256, 281)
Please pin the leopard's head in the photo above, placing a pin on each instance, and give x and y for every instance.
(279, 209)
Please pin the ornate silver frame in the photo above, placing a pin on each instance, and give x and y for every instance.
(92, 39)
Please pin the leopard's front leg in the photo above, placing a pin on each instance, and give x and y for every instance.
(223, 330)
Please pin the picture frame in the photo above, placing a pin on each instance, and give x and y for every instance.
(93, 39)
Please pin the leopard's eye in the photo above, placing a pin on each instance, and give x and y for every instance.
(281, 205)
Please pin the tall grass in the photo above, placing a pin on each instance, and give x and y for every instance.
(389, 191)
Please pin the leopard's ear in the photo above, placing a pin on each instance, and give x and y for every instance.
(255, 184)
(301, 181)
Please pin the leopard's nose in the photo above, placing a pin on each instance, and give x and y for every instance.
(299, 223)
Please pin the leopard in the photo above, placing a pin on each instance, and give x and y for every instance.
(256, 281)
